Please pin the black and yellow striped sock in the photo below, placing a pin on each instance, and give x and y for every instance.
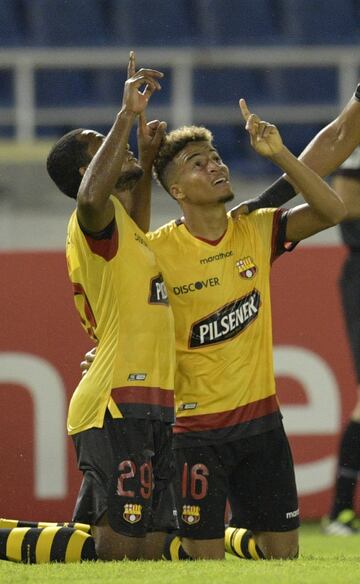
(173, 549)
(10, 523)
(38, 545)
(241, 543)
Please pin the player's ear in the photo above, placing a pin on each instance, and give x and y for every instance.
(176, 192)
(82, 170)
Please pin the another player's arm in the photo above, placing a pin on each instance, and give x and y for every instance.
(150, 136)
(94, 207)
(328, 149)
(324, 207)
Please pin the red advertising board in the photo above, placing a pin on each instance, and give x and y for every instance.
(42, 343)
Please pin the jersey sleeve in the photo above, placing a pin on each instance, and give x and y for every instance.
(271, 225)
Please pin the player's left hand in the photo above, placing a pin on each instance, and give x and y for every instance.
(150, 136)
(264, 137)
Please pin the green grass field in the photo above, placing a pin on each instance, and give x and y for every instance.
(330, 560)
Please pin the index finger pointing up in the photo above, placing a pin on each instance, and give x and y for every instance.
(244, 109)
(131, 65)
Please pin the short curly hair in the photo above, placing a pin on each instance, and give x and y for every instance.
(172, 144)
(65, 159)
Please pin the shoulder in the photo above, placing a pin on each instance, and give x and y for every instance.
(256, 218)
(164, 232)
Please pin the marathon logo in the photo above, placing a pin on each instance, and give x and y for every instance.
(220, 256)
(292, 514)
(158, 293)
(227, 322)
(193, 286)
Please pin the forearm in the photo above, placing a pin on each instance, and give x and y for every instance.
(105, 168)
(316, 192)
(140, 207)
(280, 192)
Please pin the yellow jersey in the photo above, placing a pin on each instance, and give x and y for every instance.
(220, 296)
(123, 305)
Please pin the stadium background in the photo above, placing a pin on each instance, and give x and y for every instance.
(62, 65)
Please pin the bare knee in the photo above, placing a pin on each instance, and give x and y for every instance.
(110, 545)
(204, 549)
(278, 545)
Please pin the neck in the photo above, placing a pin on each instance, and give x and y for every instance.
(207, 222)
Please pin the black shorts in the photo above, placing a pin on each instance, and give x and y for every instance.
(255, 474)
(128, 468)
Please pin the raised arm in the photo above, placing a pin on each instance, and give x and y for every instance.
(324, 207)
(150, 136)
(94, 207)
(330, 147)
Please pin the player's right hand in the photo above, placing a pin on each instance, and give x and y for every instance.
(139, 87)
(88, 359)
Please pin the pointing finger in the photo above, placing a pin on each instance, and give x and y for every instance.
(131, 65)
(244, 109)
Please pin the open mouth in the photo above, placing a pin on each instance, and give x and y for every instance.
(221, 180)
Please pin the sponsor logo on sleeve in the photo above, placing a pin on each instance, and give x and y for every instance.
(136, 377)
(158, 293)
(187, 406)
(140, 239)
(226, 322)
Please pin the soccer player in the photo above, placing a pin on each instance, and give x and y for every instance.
(328, 149)
(342, 518)
(121, 413)
(229, 439)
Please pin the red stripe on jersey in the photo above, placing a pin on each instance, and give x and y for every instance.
(105, 248)
(143, 395)
(275, 234)
(79, 289)
(242, 414)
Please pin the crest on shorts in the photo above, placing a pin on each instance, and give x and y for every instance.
(190, 514)
(247, 268)
(132, 513)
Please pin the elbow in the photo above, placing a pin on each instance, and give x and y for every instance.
(337, 215)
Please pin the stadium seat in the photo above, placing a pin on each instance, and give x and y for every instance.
(227, 85)
(12, 29)
(233, 144)
(297, 136)
(143, 23)
(6, 88)
(303, 85)
(64, 87)
(231, 22)
(321, 22)
(60, 23)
